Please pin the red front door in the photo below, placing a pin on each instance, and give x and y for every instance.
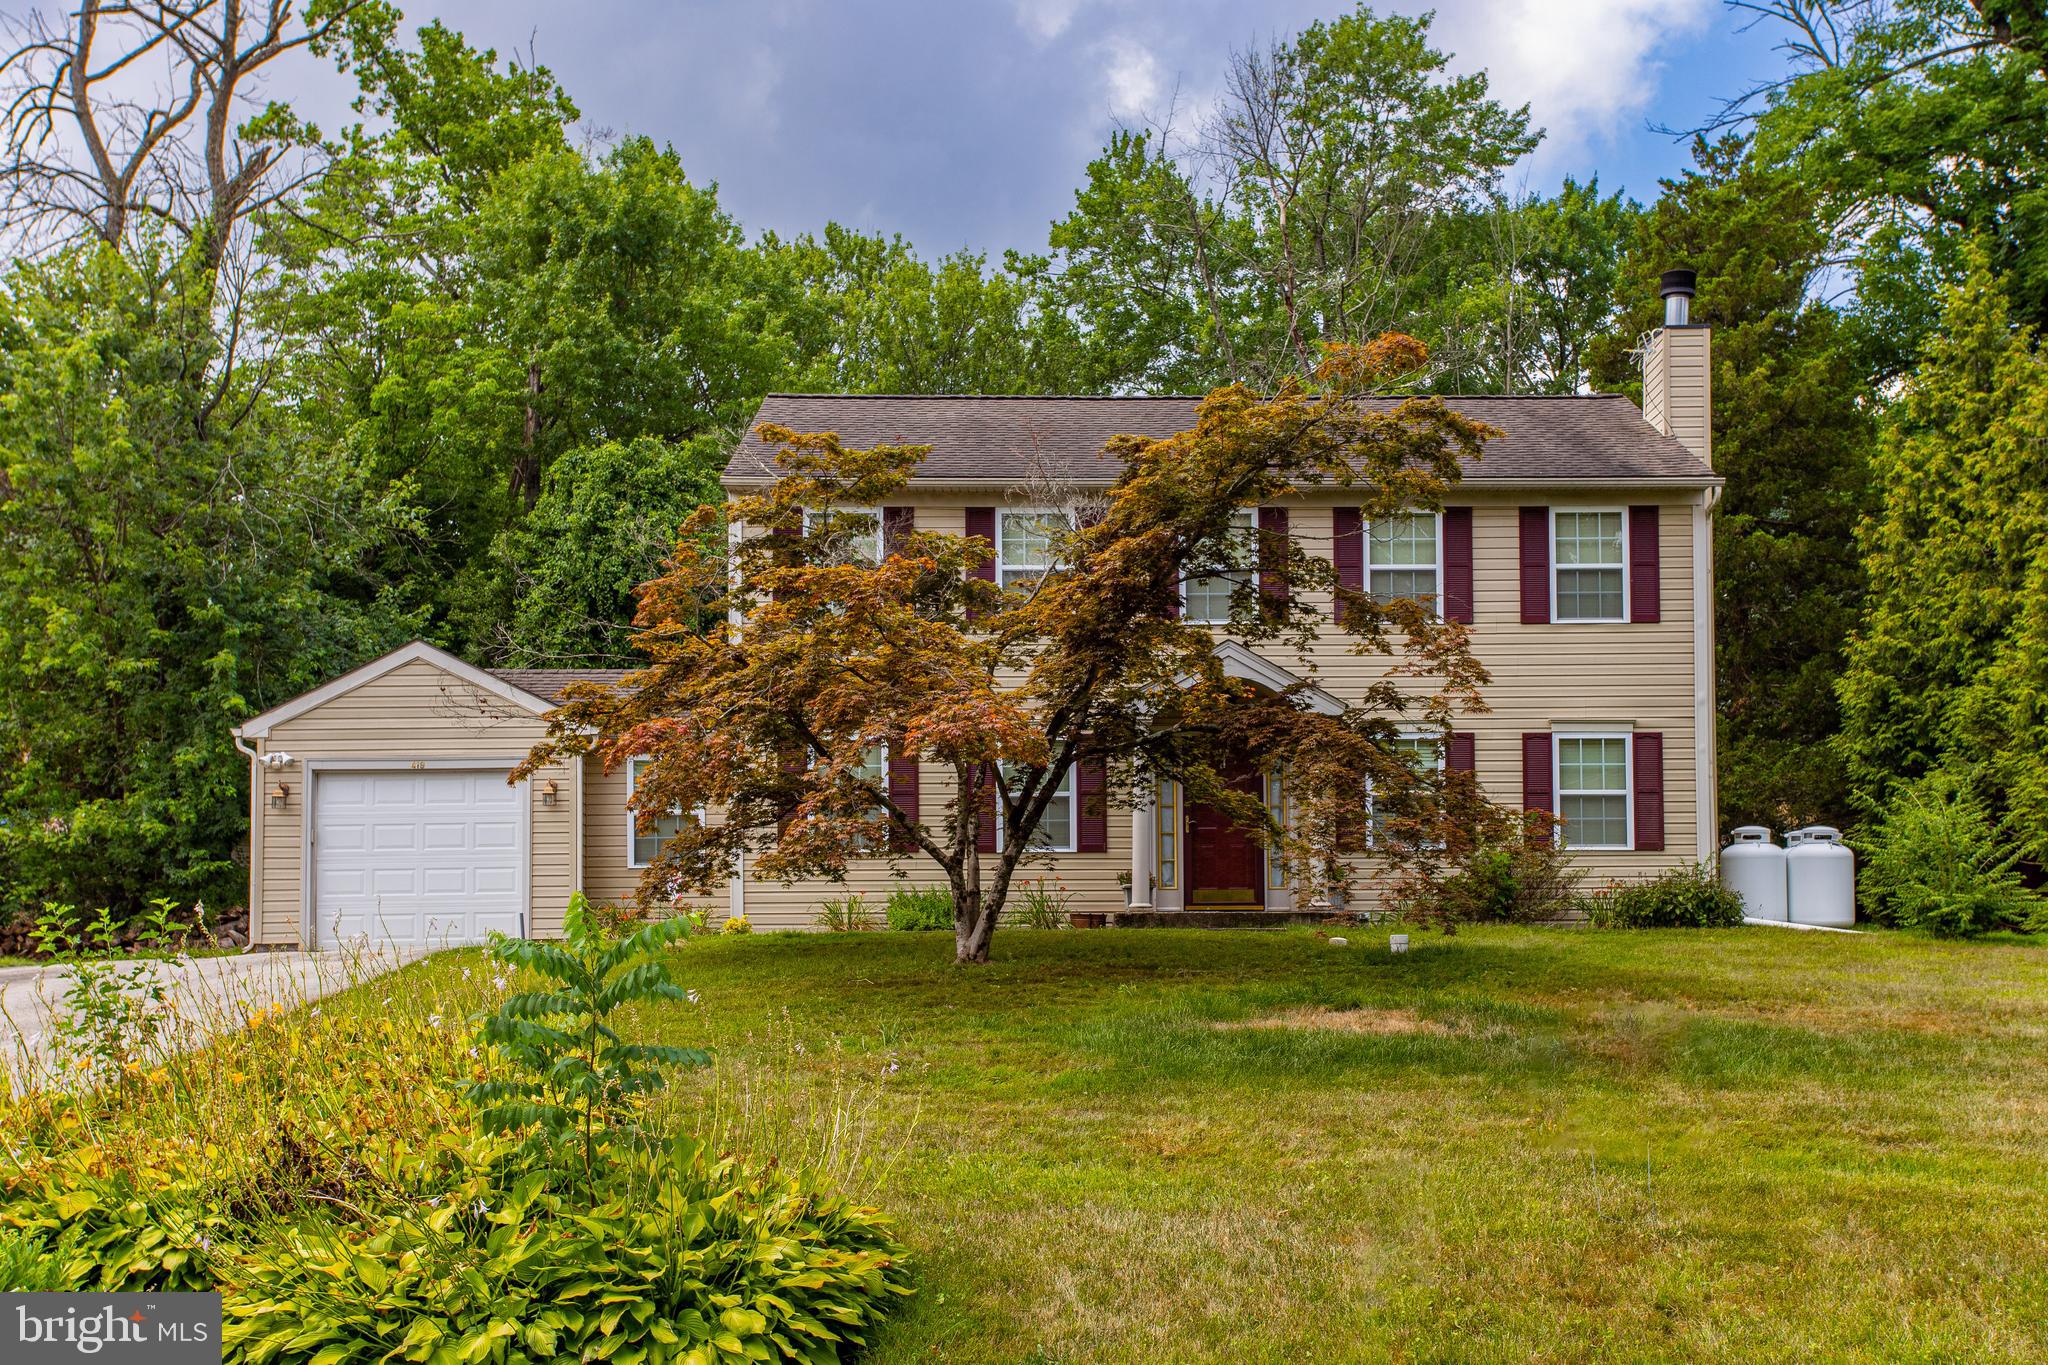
(1226, 865)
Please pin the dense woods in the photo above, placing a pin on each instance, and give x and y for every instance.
(275, 398)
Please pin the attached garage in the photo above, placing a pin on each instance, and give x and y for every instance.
(419, 858)
(382, 811)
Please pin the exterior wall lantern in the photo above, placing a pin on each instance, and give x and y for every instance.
(548, 791)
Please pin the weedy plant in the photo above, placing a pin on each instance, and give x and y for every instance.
(847, 915)
(578, 1076)
(113, 1020)
(1044, 903)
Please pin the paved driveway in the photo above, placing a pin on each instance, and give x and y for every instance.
(209, 993)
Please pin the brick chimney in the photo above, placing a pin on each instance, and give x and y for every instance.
(1678, 373)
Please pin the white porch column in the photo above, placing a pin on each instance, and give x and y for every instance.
(1144, 850)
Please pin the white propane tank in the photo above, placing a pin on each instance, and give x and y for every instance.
(1820, 878)
(1754, 868)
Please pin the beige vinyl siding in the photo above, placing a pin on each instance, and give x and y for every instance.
(1550, 677)
(1544, 677)
(1678, 386)
(1091, 876)
(415, 711)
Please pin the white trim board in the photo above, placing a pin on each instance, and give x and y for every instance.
(419, 651)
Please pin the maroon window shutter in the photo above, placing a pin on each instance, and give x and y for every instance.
(1461, 755)
(1347, 553)
(1536, 787)
(985, 812)
(1645, 593)
(1458, 564)
(981, 521)
(897, 524)
(1091, 779)
(1273, 553)
(1535, 566)
(903, 791)
(1649, 757)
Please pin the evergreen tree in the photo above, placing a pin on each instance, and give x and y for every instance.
(1949, 664)
(1792, 423)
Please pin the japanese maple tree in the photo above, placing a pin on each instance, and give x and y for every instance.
(771, 716)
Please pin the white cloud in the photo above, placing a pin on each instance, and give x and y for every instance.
(1046, 20)
(1588, 69)
(1132, 78)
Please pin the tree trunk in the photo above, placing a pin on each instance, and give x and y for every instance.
(526, 465)
(974, 925)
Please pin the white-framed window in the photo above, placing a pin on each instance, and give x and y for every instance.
(1595, 774)
(1058, 826)
(1424, 751)
(643, 849)
(1027, 543)
(1404, 558)
(873, 768)
(1168, 832)
(1588, 564)
(856, 534)
(1206, 600)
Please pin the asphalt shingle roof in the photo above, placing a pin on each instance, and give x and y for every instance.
(999, 440)
(547, 683)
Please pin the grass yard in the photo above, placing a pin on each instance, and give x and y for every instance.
(1510, 1144)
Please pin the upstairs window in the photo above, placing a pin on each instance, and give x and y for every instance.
(1026, 544)
(1206, 601)
(1592, 790)
(1588, 567)
(643, 849)
(855, 534)
(1402, 558)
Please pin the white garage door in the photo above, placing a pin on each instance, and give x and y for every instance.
(428, 858)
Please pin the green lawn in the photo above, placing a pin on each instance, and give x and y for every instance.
(1510, 1144)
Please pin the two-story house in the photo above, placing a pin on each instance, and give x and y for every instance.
(1578, 549)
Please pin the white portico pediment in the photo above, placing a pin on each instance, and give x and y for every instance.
(1238, 661)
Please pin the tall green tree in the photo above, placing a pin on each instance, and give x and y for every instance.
(607, 518)
(1919, 125)
(870, 316)
(1321, 202)
(1793, 421)
(174, 555)
(1949, 664)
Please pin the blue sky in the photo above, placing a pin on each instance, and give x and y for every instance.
(969, 122)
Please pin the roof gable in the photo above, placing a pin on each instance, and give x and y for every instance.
(419, 651)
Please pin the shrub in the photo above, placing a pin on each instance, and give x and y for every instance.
(920, 907)
(1513, 872)
(1687, 897)
(847, 915)
(1938, 862)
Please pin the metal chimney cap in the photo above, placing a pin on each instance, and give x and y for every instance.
(1684, 282)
